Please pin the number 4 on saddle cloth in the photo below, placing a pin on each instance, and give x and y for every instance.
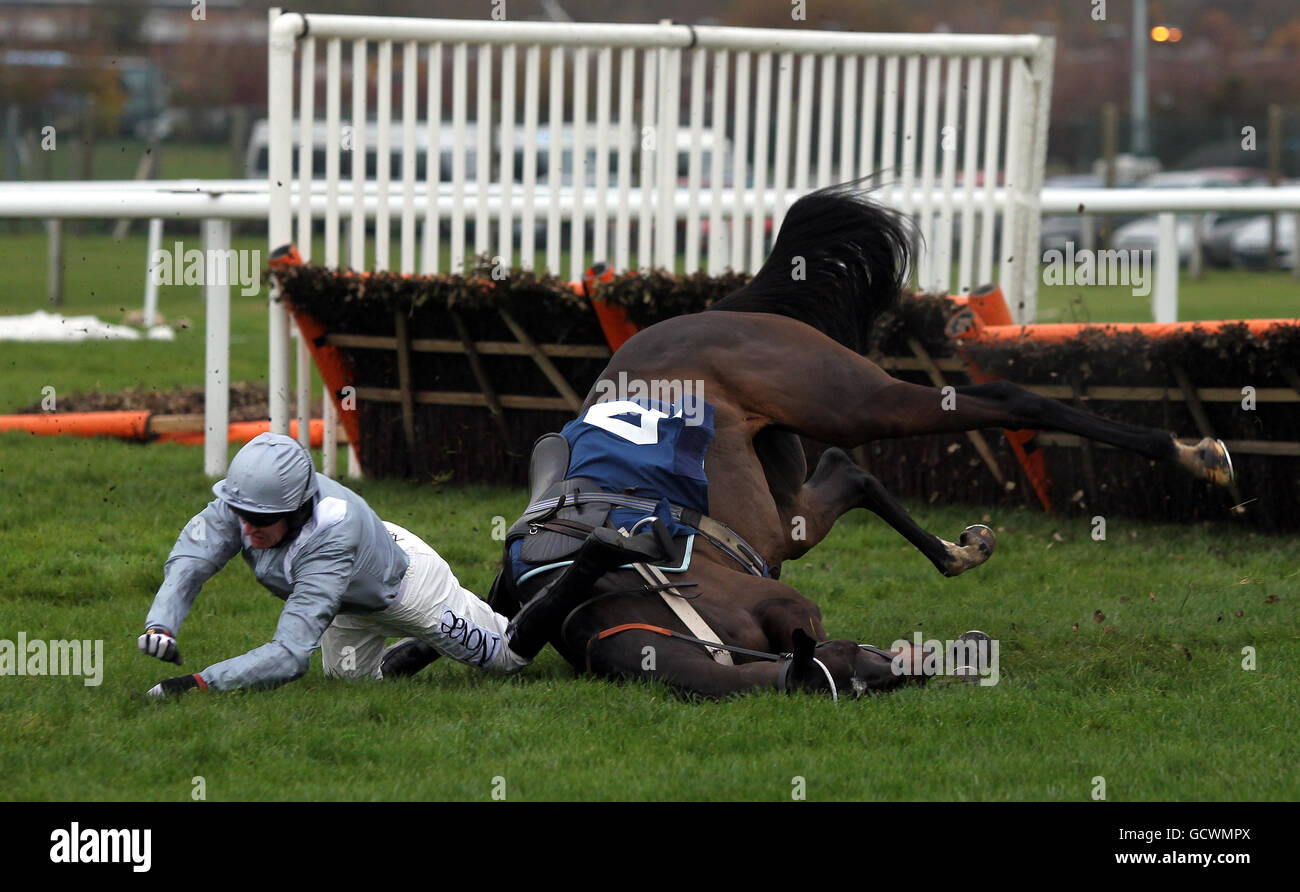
(641, 448)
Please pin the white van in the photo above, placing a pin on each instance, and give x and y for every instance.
(257, 156)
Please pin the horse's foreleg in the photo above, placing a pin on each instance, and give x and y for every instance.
(839, 485)
(685, 667)
(688, 669)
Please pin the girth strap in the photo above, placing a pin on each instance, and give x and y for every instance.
(669, 633)
(686, 612)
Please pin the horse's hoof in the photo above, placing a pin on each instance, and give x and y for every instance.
(1209, 460)
(981, 536)
(974, 546)
(1217, 462)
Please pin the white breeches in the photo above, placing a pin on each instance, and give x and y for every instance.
(432, 606)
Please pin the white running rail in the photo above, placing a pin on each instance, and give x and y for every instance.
(631, 120)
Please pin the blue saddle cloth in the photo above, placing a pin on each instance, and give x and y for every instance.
(640, 447)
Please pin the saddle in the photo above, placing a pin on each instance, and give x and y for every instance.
(557, 534)
(562, 514)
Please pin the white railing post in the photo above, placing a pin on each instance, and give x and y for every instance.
(302, 382)
(216, 294)
(649, 141)
(505, 221)
(151, 280)
(306, 178)
(719, 250)
(992, 133)
(1164, 298)
(578, 220)
(926, 277)
(1040, 97)
(966, 263)
(280, 48)
(1013, 211)
(329, 445)
(762, 138)
(1295, 245)
(54, 265)
(740, 160)
(483, 153)
(1195, 266)
(669, 105)
(555, 167)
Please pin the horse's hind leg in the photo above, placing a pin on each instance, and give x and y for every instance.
(839, 485)
(909, 409)
(868, 404)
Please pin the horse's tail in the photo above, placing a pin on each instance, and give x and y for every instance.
(838, 261)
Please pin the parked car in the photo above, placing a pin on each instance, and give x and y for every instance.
(1059, 229)
(1143, 233)
(1216, 246)
(257, 156)
(1250, 243)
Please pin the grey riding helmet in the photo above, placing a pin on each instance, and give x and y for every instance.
(272, 475)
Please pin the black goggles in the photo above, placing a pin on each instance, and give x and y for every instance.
(260, 520)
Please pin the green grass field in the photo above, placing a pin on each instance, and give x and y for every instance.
(1153, 697)
(118, 159)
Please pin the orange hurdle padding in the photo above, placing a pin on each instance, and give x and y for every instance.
(1027, 452)
(988, 303)
(964, 324)
(334, 368)
(986, 306)
(613, 319)
(134, 425)
(129, 425)
(243, 431)
(1064, 331)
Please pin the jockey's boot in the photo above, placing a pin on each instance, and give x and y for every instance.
(604, 551)
(407, 657)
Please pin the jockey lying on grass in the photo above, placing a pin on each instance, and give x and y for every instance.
(348, 580)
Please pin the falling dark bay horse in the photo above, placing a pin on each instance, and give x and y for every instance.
(779, 358)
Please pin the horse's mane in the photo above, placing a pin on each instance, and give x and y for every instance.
(854, 254)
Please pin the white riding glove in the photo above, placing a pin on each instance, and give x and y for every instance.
(160, 643)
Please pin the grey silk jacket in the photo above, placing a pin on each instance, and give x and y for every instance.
(342, 561)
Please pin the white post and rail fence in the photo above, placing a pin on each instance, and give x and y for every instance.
(648, 132)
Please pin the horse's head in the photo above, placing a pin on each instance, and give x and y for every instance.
(853, 669)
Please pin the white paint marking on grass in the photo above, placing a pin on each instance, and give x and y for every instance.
(46, 327)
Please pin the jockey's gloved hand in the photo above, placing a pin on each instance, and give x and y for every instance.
(174, 687)
(160, 643)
